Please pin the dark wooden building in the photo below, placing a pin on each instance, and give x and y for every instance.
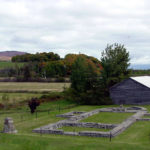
(134, 90)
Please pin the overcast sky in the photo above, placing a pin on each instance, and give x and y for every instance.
(73, 26)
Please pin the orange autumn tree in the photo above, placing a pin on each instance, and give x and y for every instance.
(71, 58)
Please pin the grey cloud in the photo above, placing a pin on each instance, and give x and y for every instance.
(67, 26)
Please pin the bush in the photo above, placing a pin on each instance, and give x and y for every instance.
(1, 106)
(33, 103)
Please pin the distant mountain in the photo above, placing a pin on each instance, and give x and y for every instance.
(7, 55)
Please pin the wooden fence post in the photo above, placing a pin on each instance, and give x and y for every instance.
(110, 137)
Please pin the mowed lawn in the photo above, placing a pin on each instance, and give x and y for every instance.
(136, 137)
(108, 117)
(32, 87)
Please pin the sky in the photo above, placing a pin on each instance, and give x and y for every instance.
(76, 26)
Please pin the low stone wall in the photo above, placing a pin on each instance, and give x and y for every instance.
(70, 114)
(90, 125)
(73, 120)
(53, 126)
(71, 133)
(133, 109)
(143, 119)
(125, 124)
(48, 131)
(84, 115)
(147, 114)
(94, 134)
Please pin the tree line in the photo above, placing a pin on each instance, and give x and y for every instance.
(38, 57)
(50, 66)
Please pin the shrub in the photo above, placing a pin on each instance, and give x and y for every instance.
(33, 103)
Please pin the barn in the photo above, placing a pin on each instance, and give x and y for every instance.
(134, 90)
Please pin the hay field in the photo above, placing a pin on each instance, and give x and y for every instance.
(26, 87)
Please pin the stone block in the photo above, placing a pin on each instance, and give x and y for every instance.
(9, 126)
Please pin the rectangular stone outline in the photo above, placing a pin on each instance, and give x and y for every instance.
(51, 128)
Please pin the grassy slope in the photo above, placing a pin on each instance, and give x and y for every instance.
(137, 137)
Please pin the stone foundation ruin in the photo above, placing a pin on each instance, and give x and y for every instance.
(74, 117)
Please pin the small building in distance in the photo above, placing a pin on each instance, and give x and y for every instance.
(134, 90)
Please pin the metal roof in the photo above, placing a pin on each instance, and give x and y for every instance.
(145, 80)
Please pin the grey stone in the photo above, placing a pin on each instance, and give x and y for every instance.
(143, 119)
(90, 125)
(94, 134)
(147, 114)
(9, 126)
(125, 124)
(71, 133)
(70, 114)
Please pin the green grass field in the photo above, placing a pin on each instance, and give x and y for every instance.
(7, 64)
(32, 87)
(136, 137)
(107, 117)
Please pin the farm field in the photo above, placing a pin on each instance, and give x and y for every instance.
(12, 98)
(32, 87)
(16, 93)
(136, 137)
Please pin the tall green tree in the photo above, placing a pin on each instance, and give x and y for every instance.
(78, 76)
(115, 63)
(26, 72)
(84, 79)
